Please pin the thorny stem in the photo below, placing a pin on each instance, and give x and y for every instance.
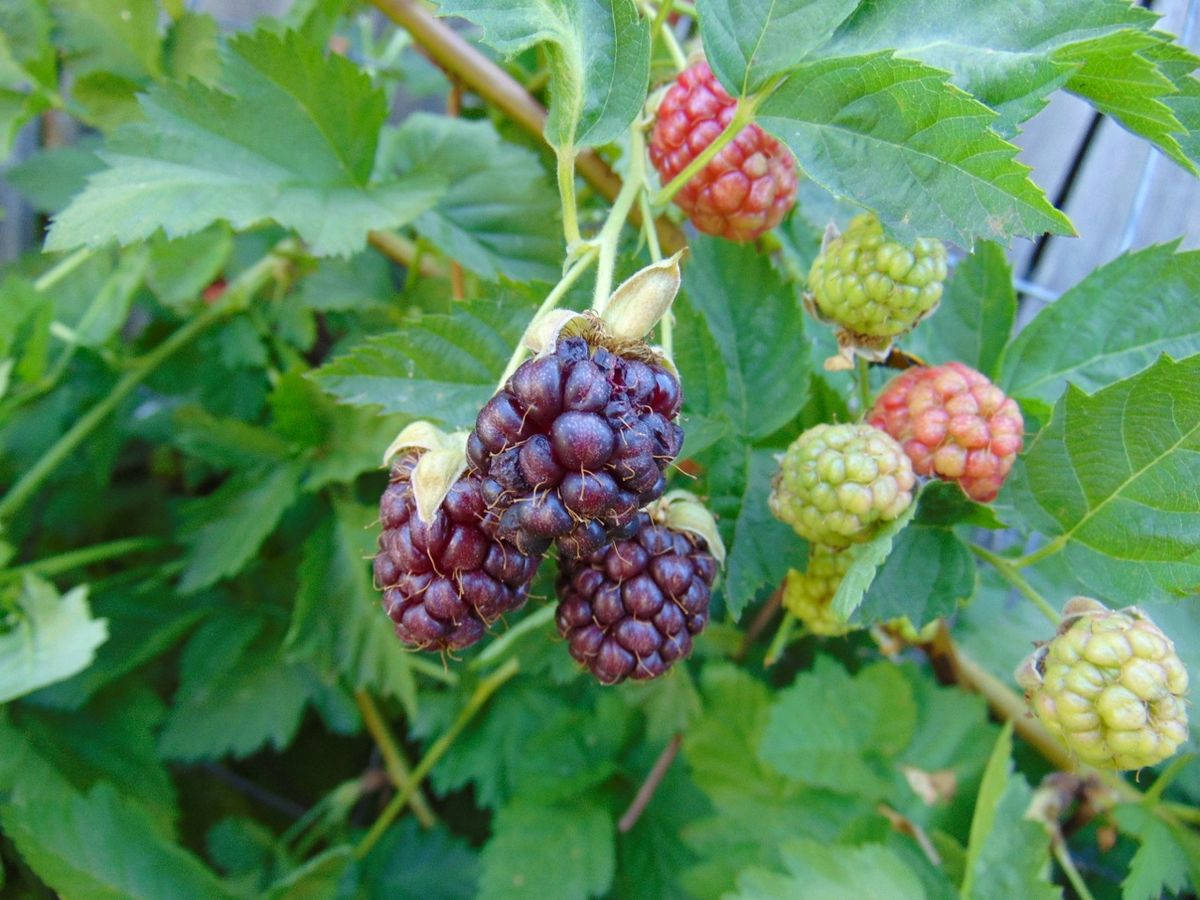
(86, 556)
(238, 294)
(496, 649)
(393, 758)
(611, 232)
(483, 692)
(646, 792)
(552, 300)
(454, 54)
(1063, 855)
(1009, 571)
(566, 190)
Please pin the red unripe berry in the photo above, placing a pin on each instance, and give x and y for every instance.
(748, 187)
(954, 424)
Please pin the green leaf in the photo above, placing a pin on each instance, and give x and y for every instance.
(748, 43)
(543, 851)
(1177, 64)
(205, 154)
(181, 269)
(98, 846)
(1161, 865)
(337, 624)
(652, 855)
(109, 309)
(1106, 475)
(1117, 337)
(928, 575)
(235, 693)
(760, 547)
(1007, 61)
(868, 557)
(113, 36)
(975, 317)
(499, 215)
(599, 52)
(760, 338)
(410, 861)
(190, 48)
(50, 178)
(1114, 77)
(225, 529)
(441, 367)
(893, 135)
(818, 870)
(225, 442)
(46, 637)
(317, 878)
(1008, 855)
(835, 731)
(25, 317)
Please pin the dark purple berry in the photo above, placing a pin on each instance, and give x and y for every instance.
(631, 609)
(437, 580)
(584, 433)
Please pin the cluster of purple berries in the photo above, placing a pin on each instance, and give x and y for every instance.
(568, 453)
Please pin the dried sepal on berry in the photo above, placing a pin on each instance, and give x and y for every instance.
(1110, 685)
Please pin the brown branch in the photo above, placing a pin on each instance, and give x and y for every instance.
(761, 621)
(646, 792)
(475, 71)
(402, 250)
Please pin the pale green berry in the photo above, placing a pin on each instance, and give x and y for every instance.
(1110, 685)
(874, 287)
(839, 484)
(808, 595)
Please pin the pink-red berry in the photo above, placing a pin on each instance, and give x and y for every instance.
(748, 187)
(954, 424)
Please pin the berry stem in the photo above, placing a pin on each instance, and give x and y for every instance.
(611, 232)
(659, 28)
(482, 694)
(393, 759)
(1041, 553)
(1063, 855)
(779, 643)
(496, 649)
(566, 190)
(1009, 571)
(864, 386)
(646, 792)
(454, 54)
(239, 293)
(552, 299)
(62, 269)
(85, 556)
(666, 324)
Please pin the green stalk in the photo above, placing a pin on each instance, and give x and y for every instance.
(243, 287)
(611, 232)
(741, 118)
(780, 641)
(1041, 553)
(393, 758)
(1063, 855)
(86, 556)
(1009, 572)
(566, 190)
(496, 649)
(63, 268)
(483, 692)
(556, 294)
(666, 325)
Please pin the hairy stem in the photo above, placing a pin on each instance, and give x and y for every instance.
(552, 300)
(483, 692)
(393, 758)
(238, 294)
(1009, 572)
(611, 232)
(454, 54)
(646, 792)
(566, 190)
